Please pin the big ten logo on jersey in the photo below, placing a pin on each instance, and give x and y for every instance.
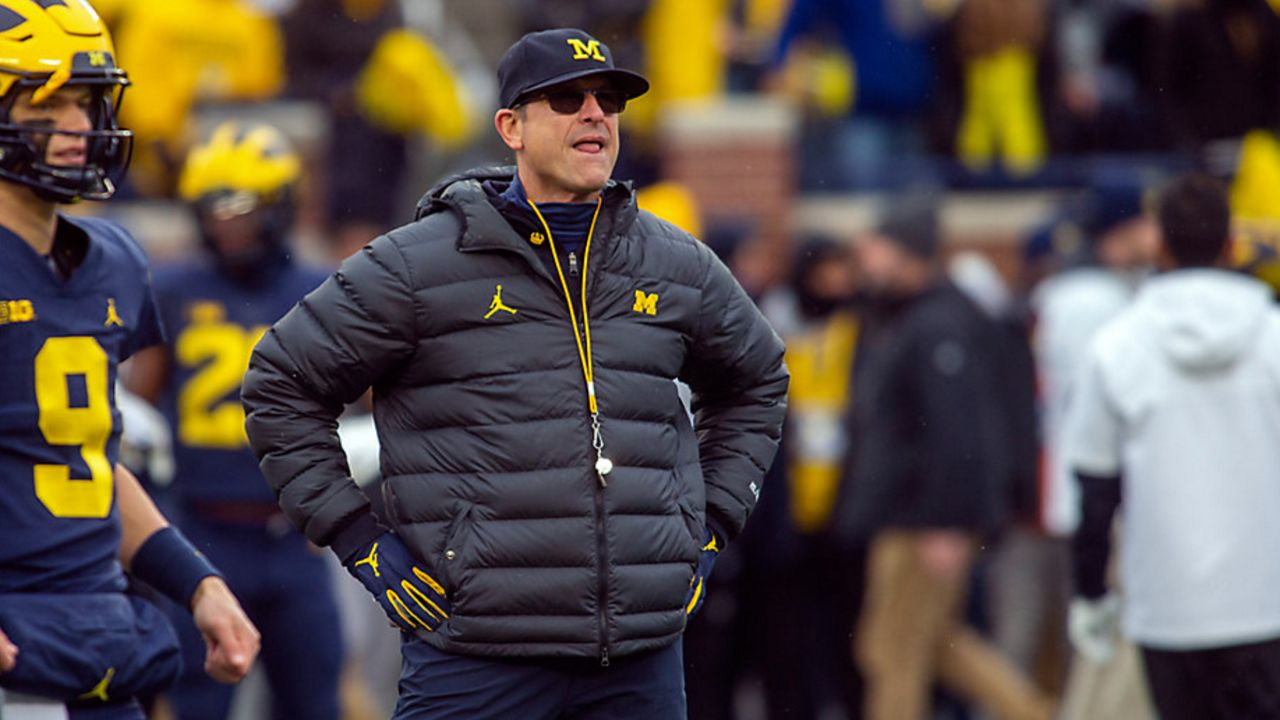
(16, 311)
(217, 352)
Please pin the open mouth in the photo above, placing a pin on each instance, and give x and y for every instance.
(590, 145)
(73, 158)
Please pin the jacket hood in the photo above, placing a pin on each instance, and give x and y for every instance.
(434, 199)
(1204, 319)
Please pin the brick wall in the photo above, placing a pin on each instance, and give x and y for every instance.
(736, 155)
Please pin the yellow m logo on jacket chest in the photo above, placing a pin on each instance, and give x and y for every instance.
(646, 303)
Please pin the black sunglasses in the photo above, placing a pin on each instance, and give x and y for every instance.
(568, 101)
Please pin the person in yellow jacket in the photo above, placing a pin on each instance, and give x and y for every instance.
(181, 54)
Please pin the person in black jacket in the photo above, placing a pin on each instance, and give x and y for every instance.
(555, 515)
(928, 477)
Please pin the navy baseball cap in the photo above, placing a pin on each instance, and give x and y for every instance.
(1111, 203)
(550, 57)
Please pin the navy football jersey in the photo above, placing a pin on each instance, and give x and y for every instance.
(60, 344)
(213, 325)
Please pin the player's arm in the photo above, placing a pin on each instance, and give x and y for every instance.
(156, 553)
(139, 517)
(8, 653)
(147, 373)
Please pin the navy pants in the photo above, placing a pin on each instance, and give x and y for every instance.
(117, 711)
(439, 686)
(1237, 682)
(286, 590)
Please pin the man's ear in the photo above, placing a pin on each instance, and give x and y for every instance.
(510, 128)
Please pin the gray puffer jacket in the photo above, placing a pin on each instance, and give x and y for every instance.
(481, 409)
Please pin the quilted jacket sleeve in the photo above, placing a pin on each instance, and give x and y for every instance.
(739, 384)
(334, 344)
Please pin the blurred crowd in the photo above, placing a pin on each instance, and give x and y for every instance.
(963, 92)
(892, 562)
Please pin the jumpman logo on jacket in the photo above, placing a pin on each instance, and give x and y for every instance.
(496, 304)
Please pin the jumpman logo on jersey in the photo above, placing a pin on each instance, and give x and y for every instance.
(113, 317)
(371, 561)
(496, 304)
(99, 691)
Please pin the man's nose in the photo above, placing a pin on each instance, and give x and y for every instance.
(591, 110)
(76, 119)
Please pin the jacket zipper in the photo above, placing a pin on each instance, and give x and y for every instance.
(602, 569)
(603, 466)
(602, 540)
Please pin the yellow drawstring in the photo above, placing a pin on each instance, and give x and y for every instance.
(584, 353)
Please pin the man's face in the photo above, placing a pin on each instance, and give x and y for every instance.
(1131, 245)
(880, 264)
(563, 157)
(234, 231)
(66, 110)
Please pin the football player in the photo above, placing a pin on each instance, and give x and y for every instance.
(241, 185)
(75, 301)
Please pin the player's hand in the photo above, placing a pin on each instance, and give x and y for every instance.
(8, 653)
(231, 641)
(698, 586)
(410, 597)
(1094, 627)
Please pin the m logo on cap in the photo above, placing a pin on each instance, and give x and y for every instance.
(589, 50)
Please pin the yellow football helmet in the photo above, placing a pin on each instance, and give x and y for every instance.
(46, 45)
(252, 159)
(243, 168)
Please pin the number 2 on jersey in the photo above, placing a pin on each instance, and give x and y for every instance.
(205, 417)
(87, 423)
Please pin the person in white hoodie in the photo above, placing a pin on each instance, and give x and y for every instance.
(1106, 243)
(1178, 415)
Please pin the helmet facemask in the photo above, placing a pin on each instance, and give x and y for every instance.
(23, 146)
(261, 225)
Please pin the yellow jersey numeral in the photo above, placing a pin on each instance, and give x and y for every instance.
(89, 427)
(204, 418)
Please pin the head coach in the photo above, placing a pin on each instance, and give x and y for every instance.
(552, 512)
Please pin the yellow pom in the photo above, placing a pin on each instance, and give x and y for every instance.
(408, 86)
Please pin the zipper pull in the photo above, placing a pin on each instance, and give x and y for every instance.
(604, 656)
(573, 263)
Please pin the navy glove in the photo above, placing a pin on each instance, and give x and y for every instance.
(410, 597)
(698, 586)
